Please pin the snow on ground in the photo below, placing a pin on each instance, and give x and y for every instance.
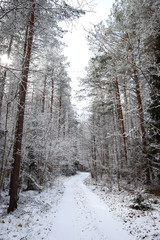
(70, 210)
(141, 224)
(33, 218)
(83, 216)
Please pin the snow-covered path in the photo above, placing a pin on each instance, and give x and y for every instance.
(83, 216)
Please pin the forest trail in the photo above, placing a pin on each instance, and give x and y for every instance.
(83, 216)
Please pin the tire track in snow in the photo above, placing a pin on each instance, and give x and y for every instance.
(85, 212)
(83, 216)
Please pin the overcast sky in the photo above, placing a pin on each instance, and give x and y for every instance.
(77, 51)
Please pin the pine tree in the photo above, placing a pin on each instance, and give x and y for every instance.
(14, 183)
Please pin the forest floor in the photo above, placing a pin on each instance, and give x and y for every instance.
(74, 210)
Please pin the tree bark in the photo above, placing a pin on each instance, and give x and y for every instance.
(141, 118)
(14, 182)
(2, 169)
(140, 111)
(52, 92)
(44, 94)
(120, 116)
(59, 117)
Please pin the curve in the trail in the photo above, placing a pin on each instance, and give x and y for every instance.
(83, 216)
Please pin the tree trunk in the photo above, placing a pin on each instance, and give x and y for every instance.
(115, 150)
(59, 117)
(52, 92)
(140, 111)
(14, 182)
(94, 159)
(120, 116)
(44, 94)
(141, 118)
(3, 165)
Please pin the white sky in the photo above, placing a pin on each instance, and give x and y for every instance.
(77, 51)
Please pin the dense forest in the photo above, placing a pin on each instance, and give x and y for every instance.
(40, 133)
(123, 83)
